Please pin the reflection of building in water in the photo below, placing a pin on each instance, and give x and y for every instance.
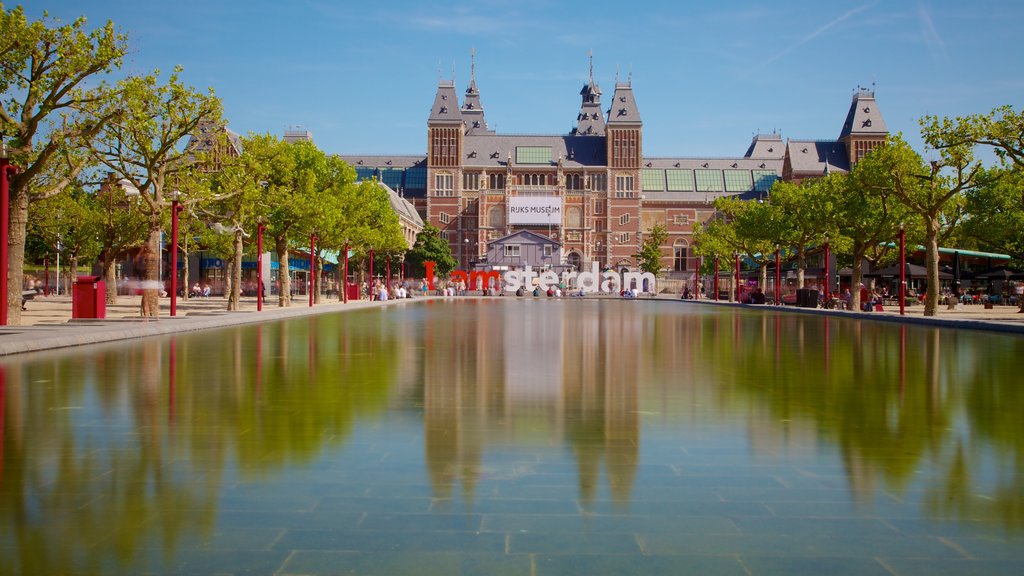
(541, 373)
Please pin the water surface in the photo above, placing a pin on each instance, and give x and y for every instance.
(509, 436)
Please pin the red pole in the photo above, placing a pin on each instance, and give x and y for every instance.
(345, 280)
(778, 277)
(312, 267)
(175, 209)
(828, 289)
(259, 267)
(736, 256)
(716, 278)
(5, 207)
(903, 268)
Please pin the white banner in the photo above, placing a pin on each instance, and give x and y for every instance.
(544, 210)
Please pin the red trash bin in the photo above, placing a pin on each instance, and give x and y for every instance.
(89, 298)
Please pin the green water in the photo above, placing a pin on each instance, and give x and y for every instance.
(509, 436)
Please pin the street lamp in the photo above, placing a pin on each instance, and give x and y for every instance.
(260, 228)
(903, 268)
(716, 277)
(312, 267)
(778, 275)
(736, 257)
(6, 170)
(827, 285)
(175, 210)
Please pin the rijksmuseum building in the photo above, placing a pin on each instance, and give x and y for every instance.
(590, 195)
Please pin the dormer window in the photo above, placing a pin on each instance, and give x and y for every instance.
(867, 123)
(867, 109)
(804, 150)
(622, 111)
(770, 150)
(444, 109)
(622, 98)
(444, 96)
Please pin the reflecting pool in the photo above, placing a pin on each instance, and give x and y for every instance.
(508, 436)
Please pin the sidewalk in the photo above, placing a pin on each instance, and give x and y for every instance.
(46, 323)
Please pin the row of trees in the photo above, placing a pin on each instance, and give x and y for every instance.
(103, 162)
(951, 198)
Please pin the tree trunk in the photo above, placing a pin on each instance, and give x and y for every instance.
(317, 268)
(856, 278)
(109, 266)
(186, 288)
(234, 297)
(151, 285)
(72, 273)
(284, 284)
(764, 278)
(18, 222)
(801, 265)
(931, 243)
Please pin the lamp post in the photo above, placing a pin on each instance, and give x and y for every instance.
(736, 258)
(827, 285)
(6, 170)
(716, 277)
(259, 265)
(778, 275)
(175, 210)
(344, 280)
(312, 267)
(903, 269)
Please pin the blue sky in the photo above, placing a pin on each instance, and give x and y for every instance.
(361, 75)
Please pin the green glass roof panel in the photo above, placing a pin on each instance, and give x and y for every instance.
(533, 154)
(709, 180)
(653, 179)
(679, 180)
(392, 177)
(365, 172)
(764, 180)
(738, 181)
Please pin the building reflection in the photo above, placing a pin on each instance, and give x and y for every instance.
(557, 375)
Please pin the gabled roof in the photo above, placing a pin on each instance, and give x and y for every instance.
(817, 157)
(402, 207)
(534, 237)
(622, 109)
(768, 146)
(446, 105)
(863, 117)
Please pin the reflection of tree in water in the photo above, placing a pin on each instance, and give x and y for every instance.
(956, 409)
(102, 471)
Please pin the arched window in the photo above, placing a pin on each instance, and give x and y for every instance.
(496, 216)
(680, 254)
(573, 217)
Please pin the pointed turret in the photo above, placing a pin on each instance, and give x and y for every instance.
(472, 109)
(446, 104)
(590, 120)
(864, 127)
(444, 127)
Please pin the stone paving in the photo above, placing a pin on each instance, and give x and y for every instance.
(46, 323)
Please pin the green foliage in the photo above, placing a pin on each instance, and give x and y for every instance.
(649, 256)
(996, 209)
(430, 247)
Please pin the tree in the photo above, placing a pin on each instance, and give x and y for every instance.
(869, 212)
(146, 147)
(51, 102)
(649, 256)
(809, 215)
(430, 247)
(69, 224)
(757, 230)
(935, 193)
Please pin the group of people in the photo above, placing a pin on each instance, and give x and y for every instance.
(200, 291)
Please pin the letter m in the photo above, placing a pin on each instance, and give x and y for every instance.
(487, 278)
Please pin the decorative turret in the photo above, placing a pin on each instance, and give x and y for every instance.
(590, 120)
(864, 127)
(472, 109)
(444, 127)
(624, 129)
